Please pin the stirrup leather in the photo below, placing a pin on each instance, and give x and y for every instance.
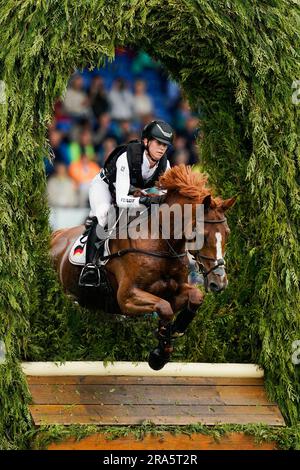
(91, 271)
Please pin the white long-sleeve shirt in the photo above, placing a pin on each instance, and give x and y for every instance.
(122, 184)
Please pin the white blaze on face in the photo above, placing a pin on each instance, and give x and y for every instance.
(219, 253)
(219, 245)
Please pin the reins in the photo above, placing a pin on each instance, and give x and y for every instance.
(158, 254)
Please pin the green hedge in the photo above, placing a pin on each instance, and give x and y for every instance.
(236, 62)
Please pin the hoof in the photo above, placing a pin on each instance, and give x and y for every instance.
(157, 359)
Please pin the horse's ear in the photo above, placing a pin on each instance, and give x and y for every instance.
(228, 203)
(206, 202)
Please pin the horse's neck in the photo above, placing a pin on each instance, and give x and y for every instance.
(177, 221)
(161, 234)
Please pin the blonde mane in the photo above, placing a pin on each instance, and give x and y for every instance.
(187, 183)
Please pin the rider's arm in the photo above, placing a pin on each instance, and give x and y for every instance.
(123, 200)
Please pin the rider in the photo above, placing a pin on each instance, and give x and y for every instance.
(128, 167)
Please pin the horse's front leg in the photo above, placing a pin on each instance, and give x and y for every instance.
(136, 301)
(188, 301)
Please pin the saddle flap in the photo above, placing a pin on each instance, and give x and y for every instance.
(77, 254)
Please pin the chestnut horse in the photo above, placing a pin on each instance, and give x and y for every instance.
(151, 275)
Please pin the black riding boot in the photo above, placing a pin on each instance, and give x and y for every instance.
(90, 274)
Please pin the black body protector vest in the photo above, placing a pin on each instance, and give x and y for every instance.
(135, 150)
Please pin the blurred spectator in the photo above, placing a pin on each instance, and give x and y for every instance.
(180, 142)
(78, 127)
(82, 172)
(123, 131)
(145, 119)
(121, 100)
(108, 146)
(93, 122)
(61, 189)
(181, 156)
(55, 139)
(76, 102)
(104, 130)
(173, 95)
(98, 97)
(62, 118)
(191, 129)
(182, 150)
(84, 146)
(142, 104)
(191, 133)
(143, 61)
(58, 146)
(134, 136)
(182, 113)
(49, 168)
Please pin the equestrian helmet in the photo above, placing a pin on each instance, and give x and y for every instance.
(159, 130)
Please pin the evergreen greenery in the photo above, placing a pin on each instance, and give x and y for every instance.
(236, 62)
(285, 438)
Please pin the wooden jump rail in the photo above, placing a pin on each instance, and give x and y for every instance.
(125, 393)
(182, 369)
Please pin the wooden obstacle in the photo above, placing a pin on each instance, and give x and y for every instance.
(159, 398)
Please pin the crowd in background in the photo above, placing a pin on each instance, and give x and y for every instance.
(107, 107)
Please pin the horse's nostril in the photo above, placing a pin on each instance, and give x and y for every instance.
(214, 287)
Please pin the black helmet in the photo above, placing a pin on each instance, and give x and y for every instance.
(159, 130)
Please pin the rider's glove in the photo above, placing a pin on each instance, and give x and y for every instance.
(147, 200)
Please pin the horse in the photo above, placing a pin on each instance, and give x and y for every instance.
(149, 275)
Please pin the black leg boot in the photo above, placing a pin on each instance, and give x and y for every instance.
(90, 274)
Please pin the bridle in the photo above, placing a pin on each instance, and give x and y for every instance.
(173, 254)
(219, 262)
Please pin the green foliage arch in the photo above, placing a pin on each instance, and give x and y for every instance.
(236, 61)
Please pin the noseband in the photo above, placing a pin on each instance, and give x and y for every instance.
(218, 262)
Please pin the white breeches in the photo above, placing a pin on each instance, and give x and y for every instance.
(100, 200)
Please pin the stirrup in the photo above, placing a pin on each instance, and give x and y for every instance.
(89, 276)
